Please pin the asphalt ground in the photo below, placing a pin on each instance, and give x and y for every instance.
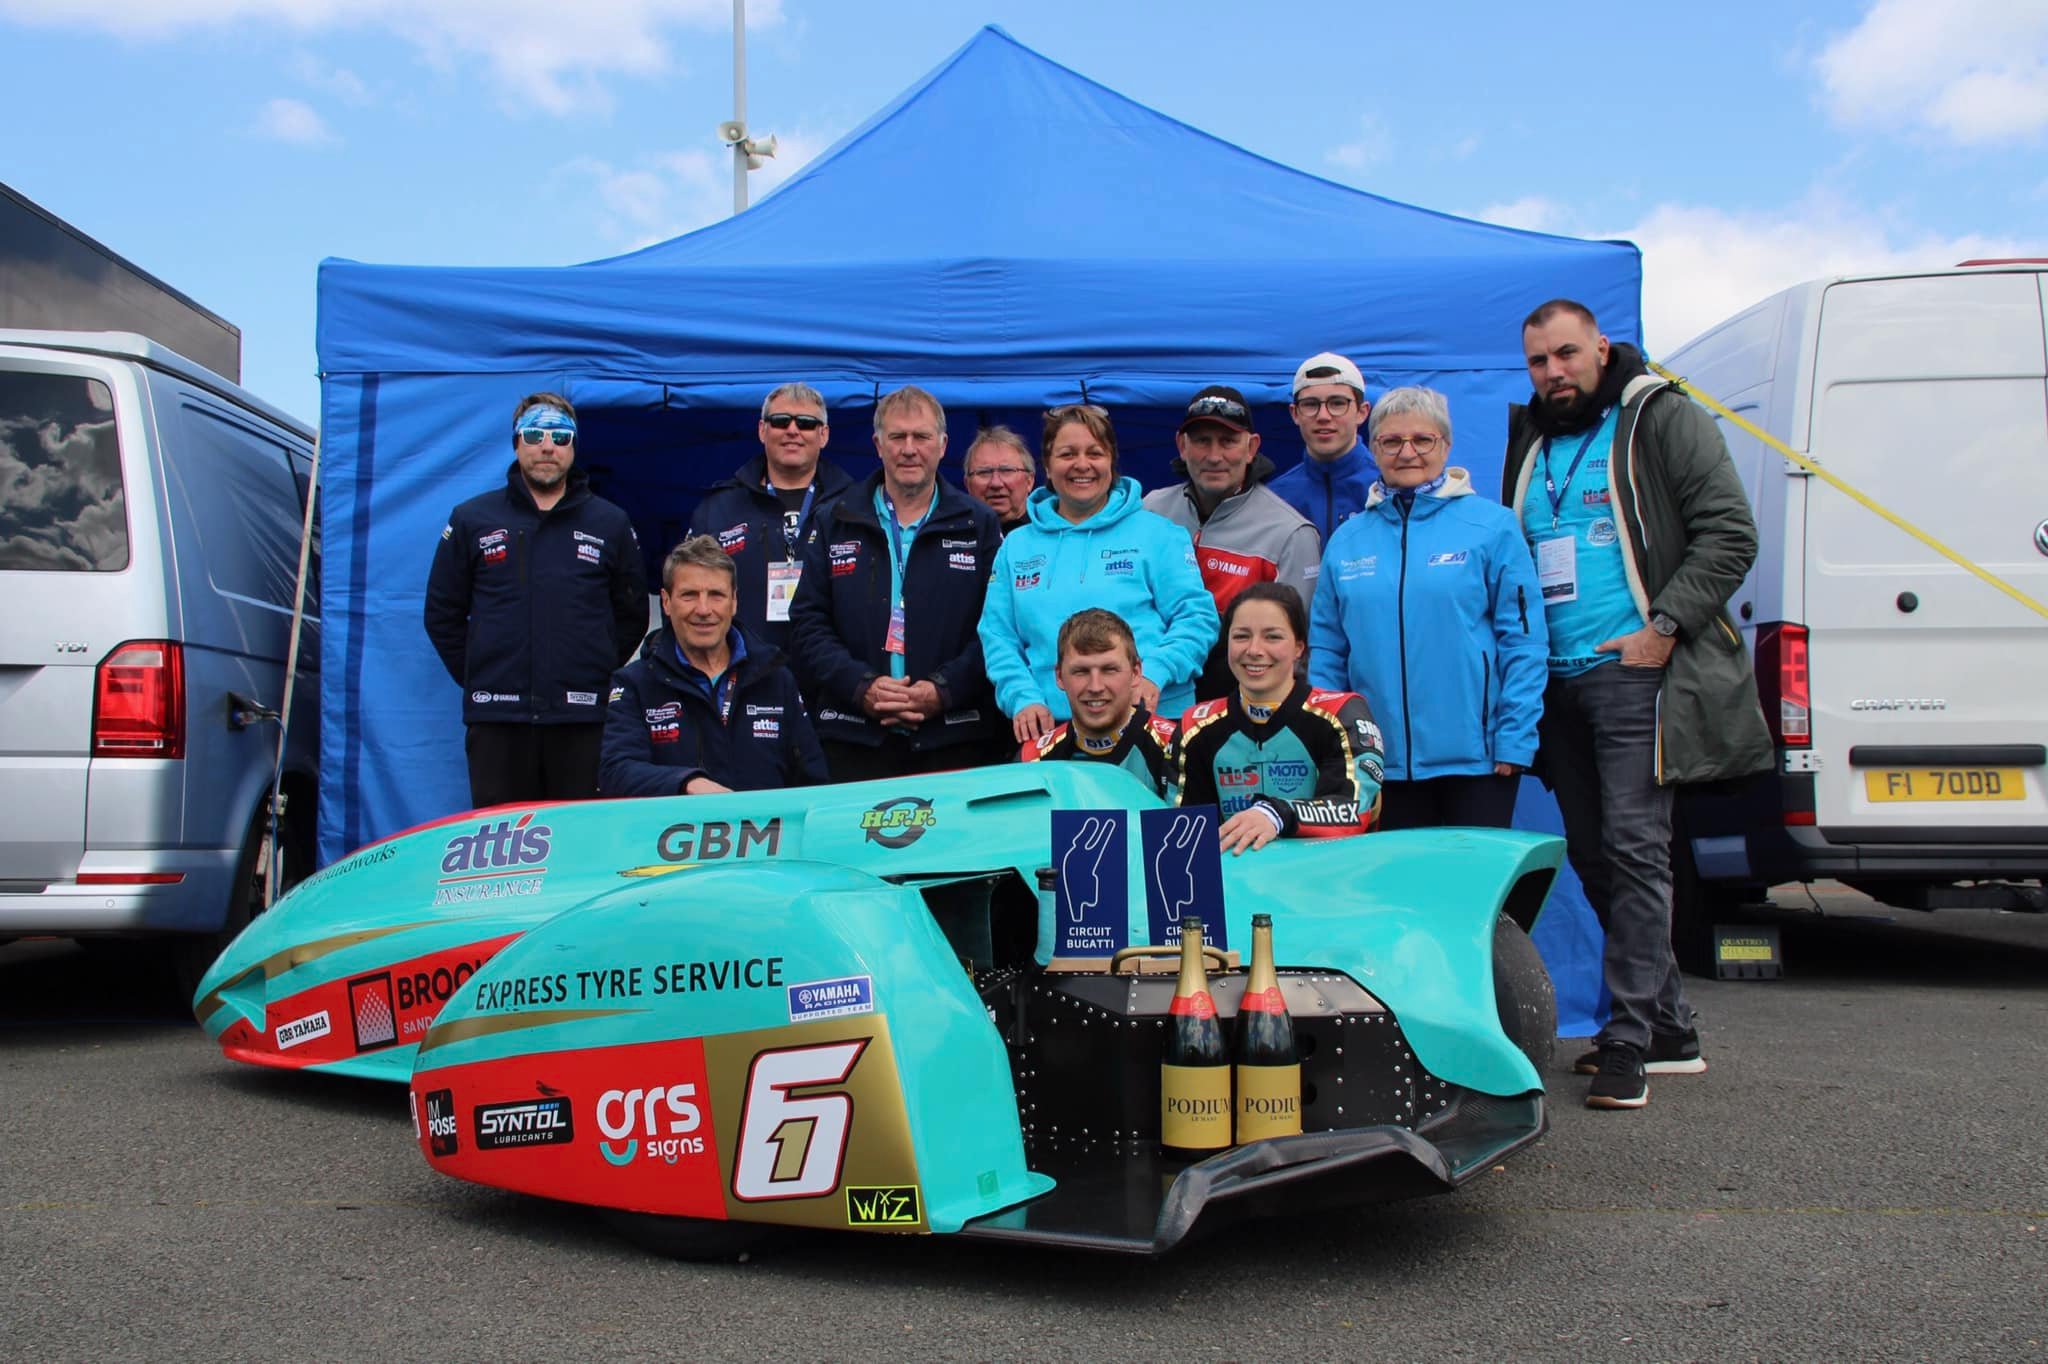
(1862, 1174)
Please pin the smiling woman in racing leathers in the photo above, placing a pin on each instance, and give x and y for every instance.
(1280, 758)
(1090, 543)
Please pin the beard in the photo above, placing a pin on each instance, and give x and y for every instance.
(1568, 403)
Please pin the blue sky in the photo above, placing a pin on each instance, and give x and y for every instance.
(229, 145)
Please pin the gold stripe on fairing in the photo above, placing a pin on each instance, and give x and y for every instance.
(281, 962)
(658, 869)
(463, 1029)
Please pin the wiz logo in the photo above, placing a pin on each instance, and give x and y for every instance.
(882, 1207)
(498, 847)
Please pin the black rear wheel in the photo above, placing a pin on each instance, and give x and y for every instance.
(1523, 994)
(700, 1239)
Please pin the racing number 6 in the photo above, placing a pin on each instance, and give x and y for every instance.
(812, 1130)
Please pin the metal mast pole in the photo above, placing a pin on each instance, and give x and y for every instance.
(739, 103)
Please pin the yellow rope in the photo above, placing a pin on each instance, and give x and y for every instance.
(1852, 493)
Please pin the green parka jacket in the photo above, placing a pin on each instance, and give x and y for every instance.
(1687, 540)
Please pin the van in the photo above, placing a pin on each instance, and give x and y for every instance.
(1900, 689)
(151, 515)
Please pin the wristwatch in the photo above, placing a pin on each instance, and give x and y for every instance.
(1664, 625)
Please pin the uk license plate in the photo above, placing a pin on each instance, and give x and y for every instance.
(1945, 783)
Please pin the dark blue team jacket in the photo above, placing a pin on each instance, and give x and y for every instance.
(748, 520)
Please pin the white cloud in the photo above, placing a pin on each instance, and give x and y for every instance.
(1373, 145)
(1702, 265)
(676, 192)
(338, 81)
(289, 120)
(559, 58)
(1532, 212)
(1972, 71)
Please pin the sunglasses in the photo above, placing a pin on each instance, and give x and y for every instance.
(804, 421)
(1218, 407)
(533, 435)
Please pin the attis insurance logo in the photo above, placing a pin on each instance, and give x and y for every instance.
(891, 1206)
(898, 823)
(663, 1116)
(498, 860)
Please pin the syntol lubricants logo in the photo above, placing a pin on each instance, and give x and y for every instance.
(664, 1116)
(498, 860)
(524, 1122)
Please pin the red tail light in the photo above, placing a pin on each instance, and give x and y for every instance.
(139, 702)
(1781, 683)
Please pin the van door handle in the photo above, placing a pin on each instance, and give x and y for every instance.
(243, 712)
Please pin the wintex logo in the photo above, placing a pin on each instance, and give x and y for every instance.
(524, 1122)
(884, 1206)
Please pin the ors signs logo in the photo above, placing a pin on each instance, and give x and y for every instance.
(898, 823)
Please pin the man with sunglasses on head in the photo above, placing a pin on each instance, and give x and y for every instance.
(764, 512)
(1336, 474)
(536, 595)
(1000, 474)
(1243, 533)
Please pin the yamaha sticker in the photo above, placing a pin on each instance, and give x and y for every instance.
(831, 998)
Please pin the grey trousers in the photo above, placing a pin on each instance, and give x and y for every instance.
(1598, 737)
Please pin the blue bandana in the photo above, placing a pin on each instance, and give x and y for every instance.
(546, 419)
(1431, 488)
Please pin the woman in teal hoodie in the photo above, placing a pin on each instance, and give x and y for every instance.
(1089, 542)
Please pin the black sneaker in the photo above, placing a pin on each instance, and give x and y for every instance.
(1620, 1083)
(1668, 1055)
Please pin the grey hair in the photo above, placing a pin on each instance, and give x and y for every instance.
(699, 551)
(1426, 403)
(1004, 436)
(910, 395)
(802, 393)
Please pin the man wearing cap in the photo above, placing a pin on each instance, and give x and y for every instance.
(762, 514)
(1332, 480)
(1243, 532)
(536, 594)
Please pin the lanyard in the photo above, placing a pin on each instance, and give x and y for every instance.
(720, 689)
(902, 537)
(1550, 488)
(803, 516)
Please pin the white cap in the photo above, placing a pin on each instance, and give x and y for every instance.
(1328, 368)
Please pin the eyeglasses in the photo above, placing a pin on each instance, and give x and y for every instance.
(804, 421)
(534, 435)
(995, 471)
(1336, 407)
(1425, 445)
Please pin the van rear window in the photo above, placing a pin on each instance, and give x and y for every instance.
(62, 507)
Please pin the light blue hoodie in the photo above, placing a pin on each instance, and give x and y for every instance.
(1124, 559)
(1432, 614)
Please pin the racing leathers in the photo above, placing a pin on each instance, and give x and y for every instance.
(667, 723)
(1312, 763)
(1143, 748)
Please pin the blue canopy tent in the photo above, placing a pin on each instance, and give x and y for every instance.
(1007, 234)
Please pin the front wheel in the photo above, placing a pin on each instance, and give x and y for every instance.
(1523, 994)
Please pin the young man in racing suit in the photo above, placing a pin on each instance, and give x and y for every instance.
(1098, 670)
(1279, 757)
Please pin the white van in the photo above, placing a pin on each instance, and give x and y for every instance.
(1903, 692)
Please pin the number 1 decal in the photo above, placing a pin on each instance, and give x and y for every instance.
(795, 1147)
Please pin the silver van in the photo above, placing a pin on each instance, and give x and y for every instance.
(151, 514)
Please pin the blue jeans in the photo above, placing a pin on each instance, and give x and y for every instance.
(1598, 741)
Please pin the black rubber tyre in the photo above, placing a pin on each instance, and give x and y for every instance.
(1523, 994)
(699, 1239)
(190, 956)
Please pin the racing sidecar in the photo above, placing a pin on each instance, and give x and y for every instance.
(855, 1006)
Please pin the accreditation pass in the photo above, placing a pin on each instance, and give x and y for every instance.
(1557, 569)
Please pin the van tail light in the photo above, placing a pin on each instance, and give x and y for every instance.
(138, 708)
(1781, 683)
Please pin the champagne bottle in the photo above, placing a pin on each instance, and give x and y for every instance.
(1194, 1078)
(1268, 1065)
